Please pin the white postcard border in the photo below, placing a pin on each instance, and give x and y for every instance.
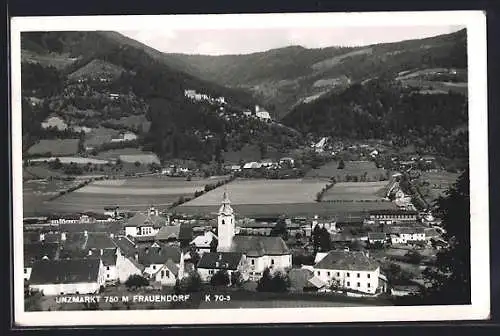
(474, 21)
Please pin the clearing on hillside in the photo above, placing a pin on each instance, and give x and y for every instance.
(353, 171)
(356, 191)
(55, 147)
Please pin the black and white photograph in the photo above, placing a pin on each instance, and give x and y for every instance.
(250, 168)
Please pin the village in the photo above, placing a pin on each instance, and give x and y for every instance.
(382, 253)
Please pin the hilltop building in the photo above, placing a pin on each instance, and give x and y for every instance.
(145, 224)
(262, 114)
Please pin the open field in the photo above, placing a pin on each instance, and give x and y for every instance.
(434, 184)
(115, 153)
(261, 191)
(352, 168)
(129, 194)
(436, 87)
(36, 193)
(55, 147)
(357, 191)
(138, 122)
(344, 211)
(99, 136)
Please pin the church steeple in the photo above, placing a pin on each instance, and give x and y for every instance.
(225, 224)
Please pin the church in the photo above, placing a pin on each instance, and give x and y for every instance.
(260, 252)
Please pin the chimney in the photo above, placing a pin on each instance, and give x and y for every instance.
(63, 236)
(42, 237)
(85, 233)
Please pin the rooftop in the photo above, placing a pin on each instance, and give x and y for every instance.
(65, 271)
(347, 260)
(36, 251)
(146, 219)
(220, 260)
(256, 246)
(159, 255)
(168, 232)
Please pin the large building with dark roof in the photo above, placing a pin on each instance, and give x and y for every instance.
(145, 224)
(67, 276)
(38, 251)
(352, 270)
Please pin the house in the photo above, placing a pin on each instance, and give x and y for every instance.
(252, 165)
(114, 96)
(262, 114)
(167, 274)
(204, 242)
(319, 256)
(169, 233)
(405, 235)
(353, 270)
(287, 161)
(316, 284)
(377, 237)
(111, 211)
(247, 113)
(124, 136)
(67, 276)
(108, 258)
(54, 122)
(261, 252)
(235, 168)
(37, 251)
(145, 224)
(153, 258)
(212, 262)
(126, 263)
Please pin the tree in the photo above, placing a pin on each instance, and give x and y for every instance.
(280, 229)
(450, 280)
(189, 284)
(316, 238)
(341, 164)
(135, 281)
(220, 278)
(56, 164)
(324, 240)
(278, 283)
(213, 245)
(137, 163)
(236, 279)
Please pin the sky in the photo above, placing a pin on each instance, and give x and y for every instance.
(244, 41)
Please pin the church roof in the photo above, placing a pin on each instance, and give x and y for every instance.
(257, 246)
(225, 208)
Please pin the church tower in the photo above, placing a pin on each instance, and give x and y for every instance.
(225, 225)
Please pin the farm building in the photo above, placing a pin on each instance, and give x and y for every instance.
(145, 224)
(169, 233)
(108, 257)
(377, 237)
(350, 270)
(212, 262)
(204, 243)
(67, 276)
(142, 158)
(398, 290)
(38, 251)
(405, 235)
(262, 114)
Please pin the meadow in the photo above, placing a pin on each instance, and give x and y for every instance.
(37, 193)
(132, 194)
(361, 169)
(55, 147)
(434, 184)
(358, 191)
(261, 191)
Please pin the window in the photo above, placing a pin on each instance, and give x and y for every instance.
(348, 274)
(253, 261)
(25, 270)
(358, 284)
(162, 274)
(223, 222)
(211, 272)
(368, 285)
(368, 275)
(319, 273)
(348, 283)
(338, 274)
(167, 274)
(272, 261)
(328, 273)
(107, 268)
(359, 275)
(107, 276)
(154, 267)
